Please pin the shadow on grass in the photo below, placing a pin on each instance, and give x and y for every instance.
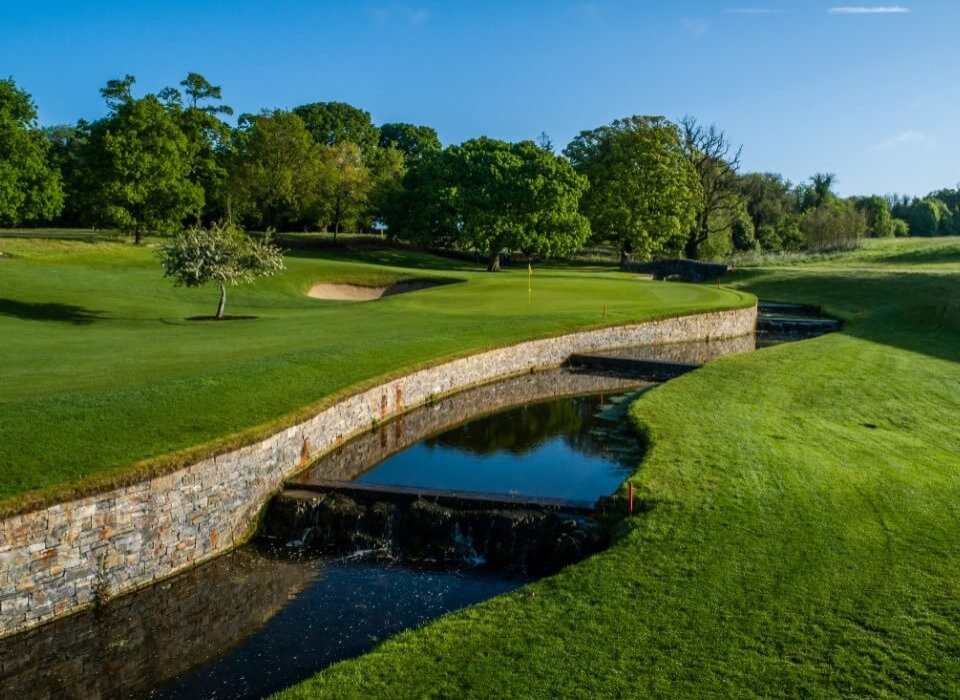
(945, 255)
(226, 317)
(48, 311)
(912, 311)
(388, 258)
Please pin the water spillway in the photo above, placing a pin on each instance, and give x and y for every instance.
(505, 476)
(524, 536)
(779, 322)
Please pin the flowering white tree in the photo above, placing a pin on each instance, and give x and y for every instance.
(223, 254)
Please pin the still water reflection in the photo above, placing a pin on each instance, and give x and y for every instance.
(559, 448)
(243, 626)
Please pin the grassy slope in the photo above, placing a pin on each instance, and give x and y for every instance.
(803, 532)
(99, 369)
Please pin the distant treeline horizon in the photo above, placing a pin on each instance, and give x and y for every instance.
(160, 162)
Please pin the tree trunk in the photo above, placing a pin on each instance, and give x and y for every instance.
(624, 255)
(223, 301)
(136, 236)
(337, 213)
(698, 237)
(494, 263)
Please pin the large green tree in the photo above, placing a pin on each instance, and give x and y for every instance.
(644, 191)
(413, 141)
(137, 165)
(423, 209)
(276, 171)
(924, 217)
(489, 195)
(207, 134)
(387, 167)
(716, 161)
(331, 123)
(877, 212)
(65, 155)
(771, 201)
(950, 216)
(30, 189)
(819, 192)
(347, 183)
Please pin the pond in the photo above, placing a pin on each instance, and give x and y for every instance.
(558, 448)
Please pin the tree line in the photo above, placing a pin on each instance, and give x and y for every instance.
(163, 162)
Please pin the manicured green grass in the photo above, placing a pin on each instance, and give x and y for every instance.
(66, 234)
(103, 380)
(803, 531)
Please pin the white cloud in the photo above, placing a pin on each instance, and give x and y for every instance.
(695, 27)
(869, 10)
(910, 137)
(752, 11)
(406, 13)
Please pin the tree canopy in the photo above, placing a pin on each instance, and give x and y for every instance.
(163, 161)
(415, 142)
(330, 123)
(490, 195)
(276, 170)
(773, 205)
(644, 191)
(346, 185)
(924, 217)
(138, 165)
(716, 161)
(834, 225)
(30, 190)
(878, 218)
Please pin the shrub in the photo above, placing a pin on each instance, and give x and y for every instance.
(833, 226)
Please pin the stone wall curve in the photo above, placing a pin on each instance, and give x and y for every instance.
(66, 557)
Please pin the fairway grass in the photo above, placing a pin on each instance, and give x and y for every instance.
(801, 535)
(103, 381)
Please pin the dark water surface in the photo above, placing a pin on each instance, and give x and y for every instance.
(559, 448)
(349, 607)
(245, 625)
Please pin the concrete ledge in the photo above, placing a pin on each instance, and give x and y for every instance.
(450, 498)
(648, 370)
(71, 555)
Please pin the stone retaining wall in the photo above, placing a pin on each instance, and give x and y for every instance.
(68, 556)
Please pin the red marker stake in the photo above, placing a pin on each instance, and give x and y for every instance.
(630, 489)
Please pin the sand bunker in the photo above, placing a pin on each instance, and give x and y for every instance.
(353, 292)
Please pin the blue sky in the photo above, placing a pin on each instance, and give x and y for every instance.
(868, 94)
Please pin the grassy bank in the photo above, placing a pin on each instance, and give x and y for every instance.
(104, 380)
(802, 536)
